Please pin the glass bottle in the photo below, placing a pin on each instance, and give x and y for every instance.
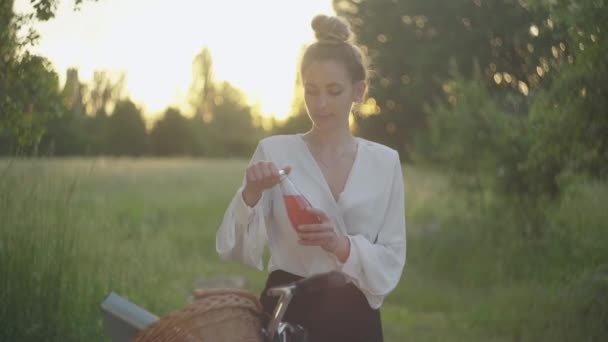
(296, 203)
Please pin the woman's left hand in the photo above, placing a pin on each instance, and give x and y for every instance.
(324, 235)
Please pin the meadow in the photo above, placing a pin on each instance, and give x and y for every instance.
(72, 230)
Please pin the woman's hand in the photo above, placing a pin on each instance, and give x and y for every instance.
(324, 235)
(260, 176)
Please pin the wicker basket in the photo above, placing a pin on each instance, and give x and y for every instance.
(218, 315)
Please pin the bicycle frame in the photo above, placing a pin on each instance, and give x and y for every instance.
(285, 294)
(279, 331)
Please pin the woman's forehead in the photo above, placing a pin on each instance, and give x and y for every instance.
(326, 72)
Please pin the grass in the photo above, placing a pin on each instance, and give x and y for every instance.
(72, 230)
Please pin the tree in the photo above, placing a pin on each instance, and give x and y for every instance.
(30, 97)
(171, 135)
(81, 128)
(202, 88)
(200, 97)
(65, 134)
(223, 122)
(73, 93)
(126, 130)
(104, 93)
(231, 130)
(96, 131)
(569, 119)
(411, 44)
(526, 149)
(29, 88)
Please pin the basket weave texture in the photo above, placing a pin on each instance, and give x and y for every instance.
(218, 315)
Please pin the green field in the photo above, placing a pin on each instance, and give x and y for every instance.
(72, 230)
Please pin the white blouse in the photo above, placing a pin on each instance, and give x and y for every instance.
(370, 211)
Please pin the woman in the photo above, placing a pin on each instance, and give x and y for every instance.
(355, 187)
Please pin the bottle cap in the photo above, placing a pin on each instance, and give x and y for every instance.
(282, 173)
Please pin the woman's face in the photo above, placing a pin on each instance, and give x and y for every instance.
(329, 93)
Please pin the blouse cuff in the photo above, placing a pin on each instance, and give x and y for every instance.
(352, 266)
(243, 213)
(349, 265)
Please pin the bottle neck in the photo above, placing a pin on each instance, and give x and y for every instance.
(287, 186)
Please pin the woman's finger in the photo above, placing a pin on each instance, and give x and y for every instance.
(274, 172)
(315, 227)
(318, 242)
(264, 171)
(320, 214)
(315, 236)
(257, 171)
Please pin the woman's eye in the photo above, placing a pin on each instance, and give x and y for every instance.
(335, 92)
(311, 92)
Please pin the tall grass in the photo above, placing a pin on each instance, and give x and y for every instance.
(506, 287)
(72, 230)
(41, 280)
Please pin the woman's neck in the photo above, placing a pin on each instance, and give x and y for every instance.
(330, 140)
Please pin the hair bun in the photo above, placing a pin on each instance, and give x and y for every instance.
(331, 29)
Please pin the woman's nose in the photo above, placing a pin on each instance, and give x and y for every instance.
(322, 100)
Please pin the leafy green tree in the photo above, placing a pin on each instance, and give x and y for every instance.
(222, 124)
(104, 92)
(95, 129)
(481, 143)
(525, 148)
(30, 97)
(569, 119)
(411, 44)
(82, 129)
(203, 85)
(29, 87)
(200, 97)
(65, 134)
(73, 93)
(231, 131)
(171, 135)
(126, 130)
(100, 98)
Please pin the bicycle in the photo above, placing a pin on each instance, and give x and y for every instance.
(280, 331)
(178, 325)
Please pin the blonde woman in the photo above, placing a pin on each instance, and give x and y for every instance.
(356, 189)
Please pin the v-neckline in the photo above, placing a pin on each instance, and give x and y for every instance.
(320, 172)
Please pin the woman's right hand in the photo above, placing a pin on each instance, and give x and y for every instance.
(260, 176)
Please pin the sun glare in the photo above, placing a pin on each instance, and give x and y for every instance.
(254, 45)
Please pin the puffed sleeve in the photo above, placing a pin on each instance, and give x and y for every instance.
(376, 266)
(242, 234)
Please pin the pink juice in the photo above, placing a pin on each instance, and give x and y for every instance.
(296, 211)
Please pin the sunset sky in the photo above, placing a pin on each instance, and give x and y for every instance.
(254, 45)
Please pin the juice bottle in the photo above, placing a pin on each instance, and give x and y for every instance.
(296, 204)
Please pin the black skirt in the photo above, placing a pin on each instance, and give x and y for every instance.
(340, 314)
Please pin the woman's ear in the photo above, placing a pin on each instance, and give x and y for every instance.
(359, 88)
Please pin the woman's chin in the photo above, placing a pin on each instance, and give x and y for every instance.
(320, 125)
(324, 121)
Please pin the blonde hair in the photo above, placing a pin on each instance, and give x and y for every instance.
(335, 41)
